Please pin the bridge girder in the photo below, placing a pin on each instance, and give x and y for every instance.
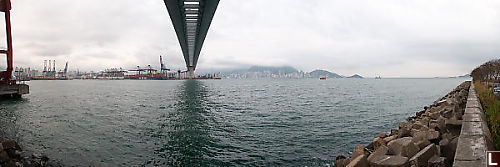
(191, 20)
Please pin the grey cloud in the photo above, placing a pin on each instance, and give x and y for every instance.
(387, 37)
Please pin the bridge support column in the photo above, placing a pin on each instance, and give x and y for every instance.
(191, 72)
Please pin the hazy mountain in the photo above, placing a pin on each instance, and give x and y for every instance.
(461, 76)
(264, 72)
(273, 70)
(324, 73)
(355, 76)
(281, 72)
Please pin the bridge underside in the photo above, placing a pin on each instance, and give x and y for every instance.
(191, 20)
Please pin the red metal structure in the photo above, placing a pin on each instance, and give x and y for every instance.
(8, 87)
(6, 76)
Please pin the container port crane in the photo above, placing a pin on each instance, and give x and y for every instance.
(66, 70)
(50, 72)
(163, 69)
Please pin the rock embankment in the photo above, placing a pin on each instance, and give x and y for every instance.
(11, 155)
(427, 139)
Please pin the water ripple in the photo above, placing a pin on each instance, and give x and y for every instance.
(212, 122)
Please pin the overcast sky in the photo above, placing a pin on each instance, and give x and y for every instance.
(391, 38)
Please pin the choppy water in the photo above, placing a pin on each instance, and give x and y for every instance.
(210, 123)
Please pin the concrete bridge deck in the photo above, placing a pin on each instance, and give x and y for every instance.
(191, 20)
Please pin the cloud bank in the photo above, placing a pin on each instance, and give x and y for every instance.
(391, 38)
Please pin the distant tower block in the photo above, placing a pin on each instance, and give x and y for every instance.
(45, 66)
(191, 20)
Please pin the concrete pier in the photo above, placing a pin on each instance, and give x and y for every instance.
(14, 90)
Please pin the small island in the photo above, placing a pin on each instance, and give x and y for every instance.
(356, 76)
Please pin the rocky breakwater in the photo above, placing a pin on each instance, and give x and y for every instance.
(427, 139)
(11, 155)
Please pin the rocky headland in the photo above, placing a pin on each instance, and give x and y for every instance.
(427, 139)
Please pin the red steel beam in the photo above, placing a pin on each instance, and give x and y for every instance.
(5, 7)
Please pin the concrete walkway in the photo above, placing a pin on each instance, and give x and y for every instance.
(475, 138)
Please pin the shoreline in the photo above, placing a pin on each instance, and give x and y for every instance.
(11, 154)
(429, 138)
